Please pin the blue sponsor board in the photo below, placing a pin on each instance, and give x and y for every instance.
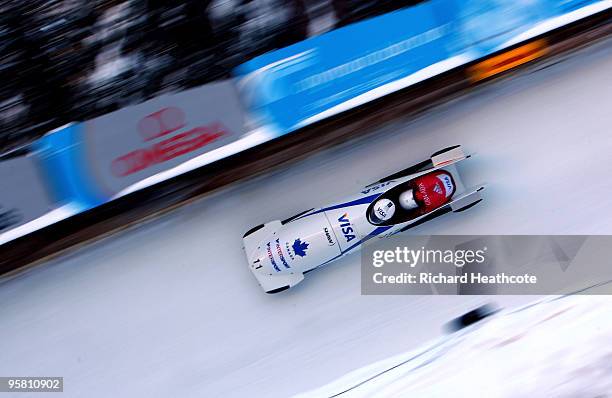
(291, 85)
(64, 163)
(565, 6)
(483, 27)
(325, 75)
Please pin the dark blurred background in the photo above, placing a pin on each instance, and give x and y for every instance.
(71, 60)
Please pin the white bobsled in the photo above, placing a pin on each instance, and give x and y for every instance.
(279, 253)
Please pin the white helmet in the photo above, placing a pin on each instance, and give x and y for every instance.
(406, 200)
(382, 211)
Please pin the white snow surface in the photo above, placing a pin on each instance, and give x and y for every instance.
(556, 348)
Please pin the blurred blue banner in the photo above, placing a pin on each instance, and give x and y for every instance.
(66, 168)
(325, 75)
(295, 83)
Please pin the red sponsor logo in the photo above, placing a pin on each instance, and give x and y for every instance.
(164, 122)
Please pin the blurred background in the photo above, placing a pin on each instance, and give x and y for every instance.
(72, 60)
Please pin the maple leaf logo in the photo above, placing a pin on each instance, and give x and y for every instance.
(299, 248)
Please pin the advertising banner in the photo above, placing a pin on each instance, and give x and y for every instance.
(21, 202)
(89, 163)
(326, 75)
(26, 204)
(291, 87)
(139, 141)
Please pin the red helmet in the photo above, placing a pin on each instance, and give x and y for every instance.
(434, 189)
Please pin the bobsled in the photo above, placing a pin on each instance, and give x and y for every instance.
(280, 253)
